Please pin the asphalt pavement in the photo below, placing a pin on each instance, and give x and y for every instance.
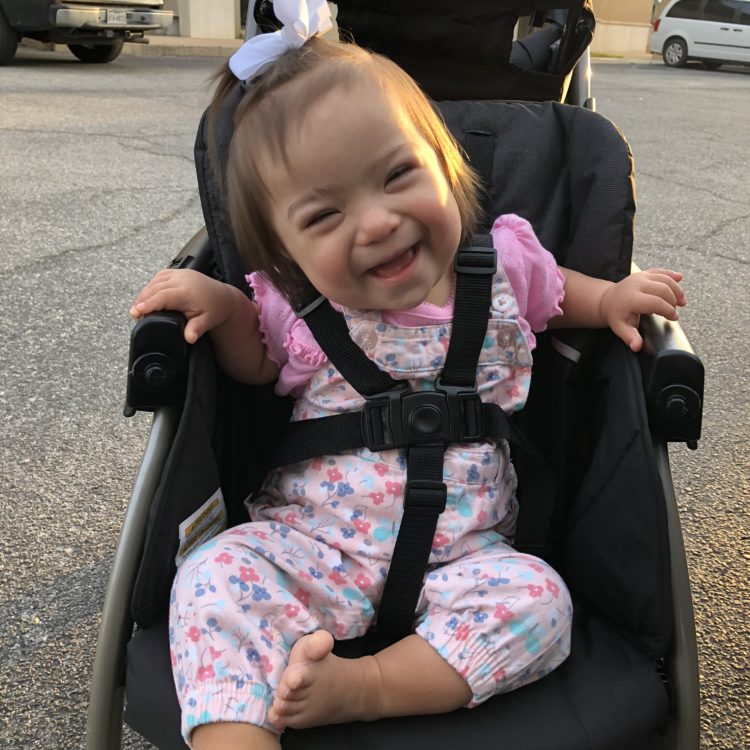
(97, 192)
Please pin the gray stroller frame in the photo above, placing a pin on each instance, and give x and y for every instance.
(673, 385)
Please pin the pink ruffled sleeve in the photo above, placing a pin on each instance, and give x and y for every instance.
(532, 271)
(289, 342)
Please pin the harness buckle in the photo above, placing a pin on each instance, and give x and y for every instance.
(476, 261)
(400, 418)
(420, 494)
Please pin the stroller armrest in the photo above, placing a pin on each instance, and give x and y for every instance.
(157, 363)
(673, 381)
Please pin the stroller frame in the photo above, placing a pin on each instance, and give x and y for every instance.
(668, 360)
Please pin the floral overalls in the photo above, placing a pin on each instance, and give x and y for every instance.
(317, 549)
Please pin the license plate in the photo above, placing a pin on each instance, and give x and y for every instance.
(117, 17)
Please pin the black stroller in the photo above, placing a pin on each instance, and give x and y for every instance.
(601, 416)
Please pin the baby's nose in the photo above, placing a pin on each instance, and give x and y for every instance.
(376, 224)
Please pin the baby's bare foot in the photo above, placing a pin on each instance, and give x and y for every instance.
(318, 687)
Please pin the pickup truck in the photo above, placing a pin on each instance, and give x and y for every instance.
(94, 31)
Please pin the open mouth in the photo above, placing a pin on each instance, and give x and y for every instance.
(395, 266)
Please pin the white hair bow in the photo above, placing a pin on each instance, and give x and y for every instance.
(301, 19)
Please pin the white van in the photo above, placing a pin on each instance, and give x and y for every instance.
(712, 31)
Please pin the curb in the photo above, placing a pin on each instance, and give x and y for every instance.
(180, 47)
(644, 57)
(183, 47)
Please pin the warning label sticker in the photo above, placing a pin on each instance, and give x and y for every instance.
(199, 527)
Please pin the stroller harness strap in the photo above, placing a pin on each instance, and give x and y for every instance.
(424, 423)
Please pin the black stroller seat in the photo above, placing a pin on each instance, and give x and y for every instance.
(609, 537)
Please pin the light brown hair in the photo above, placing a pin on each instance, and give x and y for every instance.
(266, 112)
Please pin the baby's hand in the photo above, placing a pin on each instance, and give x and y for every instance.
(654, 291)
(205, 302)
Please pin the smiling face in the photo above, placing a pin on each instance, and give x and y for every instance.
(364, 208)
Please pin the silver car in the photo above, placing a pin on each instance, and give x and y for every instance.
(712, 31)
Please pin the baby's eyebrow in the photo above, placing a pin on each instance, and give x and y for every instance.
(311, 195)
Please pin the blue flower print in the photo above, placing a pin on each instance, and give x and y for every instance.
(236, 581)
(473, 475)
(344, 489)
(262, 553)
(201, 588)
(260, 593)
(348, 533)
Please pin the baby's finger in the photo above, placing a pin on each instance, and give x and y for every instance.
(657, 287)
(195, 328)
(649, 304)
(629, 334)
(671, 279)
(147, 292)
(166, 298)
(676, 275)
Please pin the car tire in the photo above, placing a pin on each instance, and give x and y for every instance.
(675, 52)
(97, 53)
(8, 41)
(711, 64)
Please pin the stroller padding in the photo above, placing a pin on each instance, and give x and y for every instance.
(565, 169)
(606, 696)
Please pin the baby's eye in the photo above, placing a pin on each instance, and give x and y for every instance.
(318, 218)
(400, 171)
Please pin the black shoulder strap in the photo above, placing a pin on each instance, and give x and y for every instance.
(475, 267)
(331, 332)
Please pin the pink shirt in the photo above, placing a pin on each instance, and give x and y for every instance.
(531, 270)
